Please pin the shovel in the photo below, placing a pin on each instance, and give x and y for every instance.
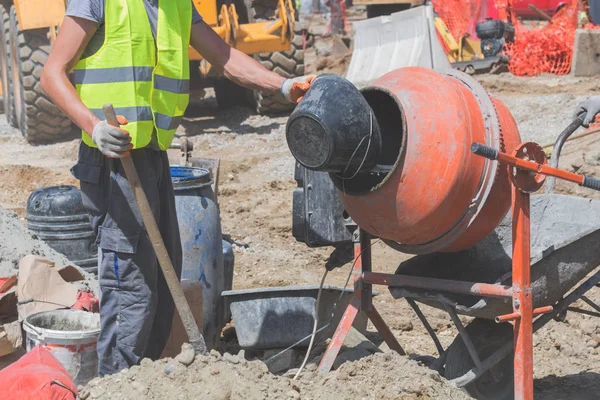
(183, 308)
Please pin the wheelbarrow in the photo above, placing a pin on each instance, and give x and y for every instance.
(565, 232)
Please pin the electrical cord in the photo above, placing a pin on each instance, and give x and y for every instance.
(317, 307)
(312, 338)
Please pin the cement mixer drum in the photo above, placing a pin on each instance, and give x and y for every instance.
(428, 192)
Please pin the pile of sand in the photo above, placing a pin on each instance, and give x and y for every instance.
(16, 241)
(380, 376)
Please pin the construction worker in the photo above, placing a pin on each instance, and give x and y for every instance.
(134, 54)
(589, 107)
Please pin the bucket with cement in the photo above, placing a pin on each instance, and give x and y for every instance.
(71, 336)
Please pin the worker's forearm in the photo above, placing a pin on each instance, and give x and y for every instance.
(56, 84)
(247, 72)
(235, 65)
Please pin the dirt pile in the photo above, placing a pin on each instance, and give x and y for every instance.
(16, 241)
(381, 376)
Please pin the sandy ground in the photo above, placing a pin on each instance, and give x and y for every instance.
(255, 196)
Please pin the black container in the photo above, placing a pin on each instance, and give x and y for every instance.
(318, 215)
(495, 29)
(56, 215)
(334, 129)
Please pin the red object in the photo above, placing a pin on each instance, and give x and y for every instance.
(544, 50)
(460, 287)
(37, 376)
(522, 296)
(439, 196)
(7, 283)
(533, 182)
(86, 301)
(521, 7)
(492, 10)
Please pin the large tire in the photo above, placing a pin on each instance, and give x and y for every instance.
(288, 64)
(39, 120)
(5, 72)
(487, 337)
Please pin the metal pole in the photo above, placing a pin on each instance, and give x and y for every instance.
(522, 296)
(351, 311)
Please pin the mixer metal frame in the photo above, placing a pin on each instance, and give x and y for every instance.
(527, 173)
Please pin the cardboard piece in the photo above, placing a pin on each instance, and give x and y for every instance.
(42, 288)
(11, 338)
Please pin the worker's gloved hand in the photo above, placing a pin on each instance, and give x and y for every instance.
(113, 142)
(294, 89)
(590, 108)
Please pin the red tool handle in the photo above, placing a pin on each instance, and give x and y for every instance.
(494, 154)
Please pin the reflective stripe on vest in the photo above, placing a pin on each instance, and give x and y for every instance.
(152, 94)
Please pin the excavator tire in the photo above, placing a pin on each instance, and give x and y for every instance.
(5, 73)
(39, 120)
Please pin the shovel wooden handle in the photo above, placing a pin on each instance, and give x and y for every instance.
(183, 308)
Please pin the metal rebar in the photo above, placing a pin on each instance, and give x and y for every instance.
(426, 324)
(464, 335)
(444, 285)
(591, 303)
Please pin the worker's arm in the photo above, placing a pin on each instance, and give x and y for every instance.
(590, 108)
(75, 33)
(241, 68)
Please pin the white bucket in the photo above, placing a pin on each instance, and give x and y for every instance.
(71, 336)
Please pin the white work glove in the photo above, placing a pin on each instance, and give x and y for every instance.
(294, 89)
(590, 108)
(113, 142)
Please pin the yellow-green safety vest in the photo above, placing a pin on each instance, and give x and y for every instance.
(147, 81)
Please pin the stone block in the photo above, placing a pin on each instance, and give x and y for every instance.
(586, 54)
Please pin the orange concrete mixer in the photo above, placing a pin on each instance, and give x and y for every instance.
(399, 154)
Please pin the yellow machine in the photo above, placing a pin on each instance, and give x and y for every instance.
(464, 50)
(467, 55)
(262, 28)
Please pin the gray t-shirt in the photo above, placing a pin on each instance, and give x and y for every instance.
(93, 10)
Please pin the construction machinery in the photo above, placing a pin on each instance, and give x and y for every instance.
(28, 28)
(420, 37)
(430, 164)
(477, 55)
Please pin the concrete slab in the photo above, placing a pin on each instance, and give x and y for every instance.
(586, 54)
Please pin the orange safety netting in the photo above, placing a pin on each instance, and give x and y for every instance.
(535, 50)
(458, 15)
(548, 49)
